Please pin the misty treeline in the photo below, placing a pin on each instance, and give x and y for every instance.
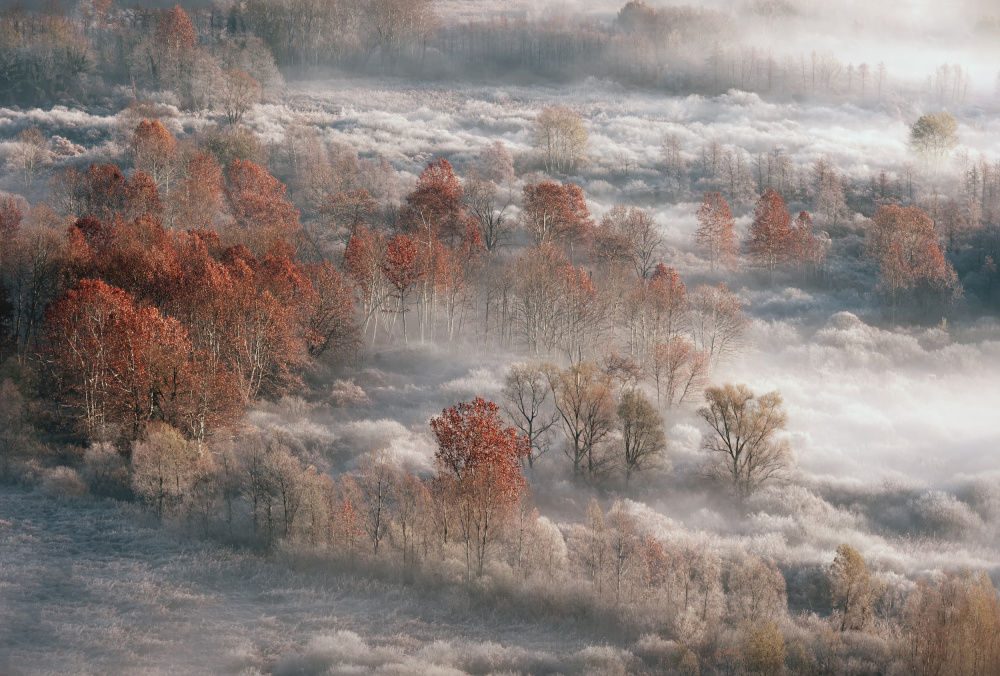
(86, 50)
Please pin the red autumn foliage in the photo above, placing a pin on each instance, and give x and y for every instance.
(175, 31)
(11, 216)
(264, 216)
(435, 209)
(903, 243)
(479, 462)
(770, 239)
(715, 231)
(402, 269)
(555, 213)
(197, 198)
(116, 363)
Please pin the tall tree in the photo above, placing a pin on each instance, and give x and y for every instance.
(715, 234)
(903, 244)
(852, 589)
(263, 215)
(643, 440)
(526, 402)
(586, 409)
(744, 442)
(479, 457)
(403, 270)
(770, 236)
(561, 138)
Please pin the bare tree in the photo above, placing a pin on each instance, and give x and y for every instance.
(28, 155)
(587, 412)
(526, 402)
(643, 440)
(488, 205)
(745, 444)
(377, 481)
(237, 94)
(718, 322)
(561, 138)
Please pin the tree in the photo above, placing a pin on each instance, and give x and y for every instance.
(934, 135)
(153, 152)
(830, 201)
(853, 591)
(561, 138)
(629, 234)
(174, 31)
(952, 625)
(196, 200)
(746, 448)
(237, 95)
(526, 395)
(679, 371)
(363, 261)
(332, 328)
(762, 649)
(115, 363)
(643, 440)
(479, 459)
(715, 234)
(769, 239)
(804, 247)
(488, 207)
(435, 209)
(903, 243)
(756, 591)
(28, 155)
(587, 412)
(163, 468)
(263, 215)
(718, 322)
(377, 479)
(555, 213)
(403, 270)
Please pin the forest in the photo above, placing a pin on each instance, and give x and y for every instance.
(494, 338)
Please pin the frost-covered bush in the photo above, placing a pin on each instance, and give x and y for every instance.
(63, 482)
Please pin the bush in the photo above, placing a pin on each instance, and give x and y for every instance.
(106, 472)
(63, 482)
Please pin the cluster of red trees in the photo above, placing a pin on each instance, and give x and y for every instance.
(186, 326)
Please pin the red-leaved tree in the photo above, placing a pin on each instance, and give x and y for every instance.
(479, 460)
(117, 364)
(770, 239)
(715, 234)
(403, 270)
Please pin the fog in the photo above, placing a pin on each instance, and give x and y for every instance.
(891, 402)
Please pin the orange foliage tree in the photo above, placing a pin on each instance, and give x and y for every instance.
(479, 460)
(436, 209)
(197, 199)
(770, 239)
(153, 151)
(263, 215)
(118, 364)
(556, 214)
(903, 243)
(403, 270)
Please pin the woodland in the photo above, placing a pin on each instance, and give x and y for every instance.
(493, 338)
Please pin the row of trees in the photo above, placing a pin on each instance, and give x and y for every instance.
(196, 54)
(474, 520)
(49, 56)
